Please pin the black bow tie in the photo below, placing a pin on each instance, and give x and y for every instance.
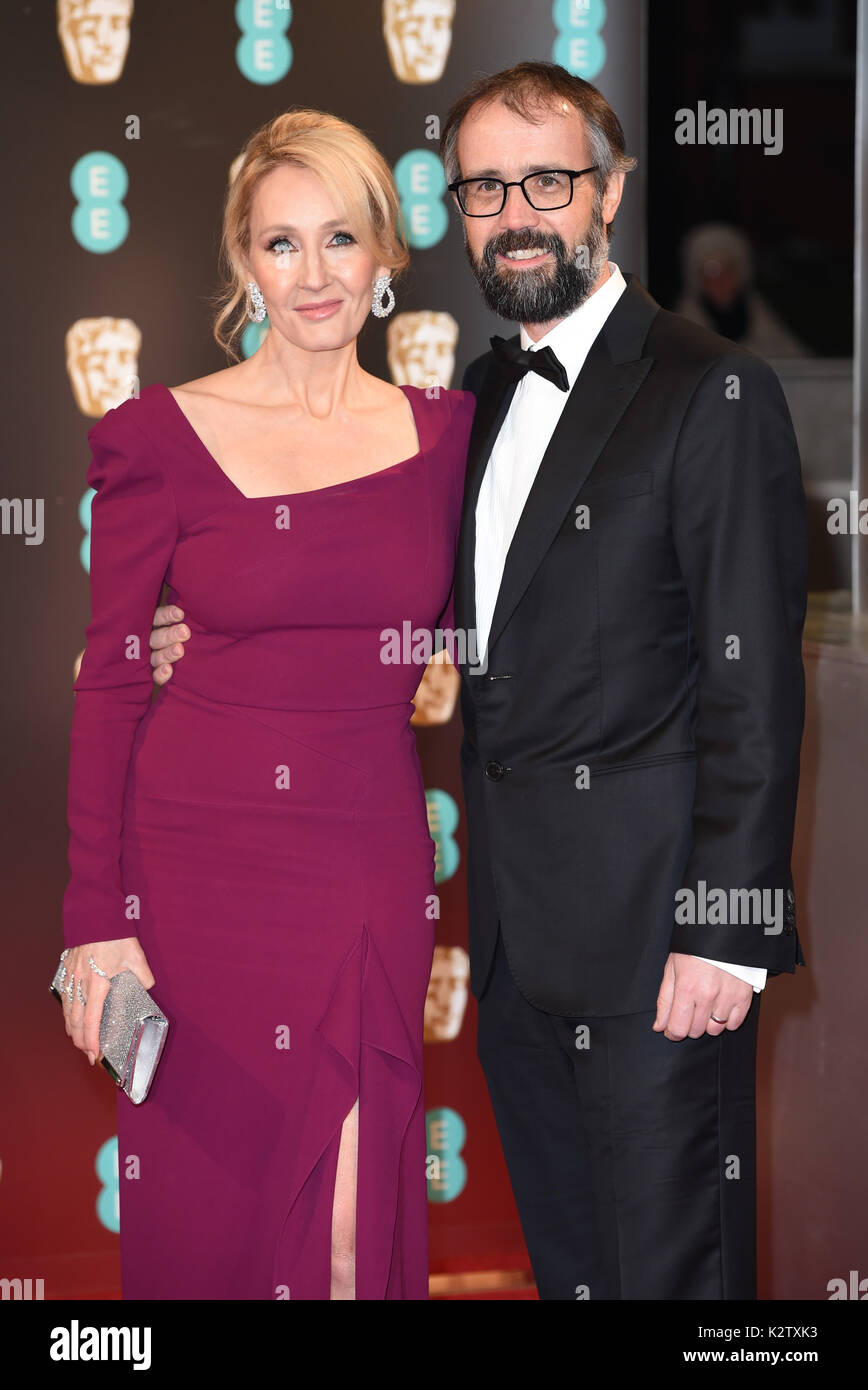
(516, 360)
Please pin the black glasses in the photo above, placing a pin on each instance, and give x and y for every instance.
(546, 190)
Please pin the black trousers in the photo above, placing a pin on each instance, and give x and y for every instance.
(632, 1157)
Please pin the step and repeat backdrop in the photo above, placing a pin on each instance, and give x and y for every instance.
(124, 122)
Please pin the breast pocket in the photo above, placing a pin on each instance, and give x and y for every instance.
(622, 493)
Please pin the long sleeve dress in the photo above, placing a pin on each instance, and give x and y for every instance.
(260, 826)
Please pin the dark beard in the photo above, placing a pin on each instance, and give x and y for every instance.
(540, 295)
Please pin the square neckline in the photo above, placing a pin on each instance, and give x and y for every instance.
(306, 492)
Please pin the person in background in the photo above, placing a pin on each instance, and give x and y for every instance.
(719, 293)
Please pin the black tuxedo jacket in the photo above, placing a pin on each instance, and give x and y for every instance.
(637, 728)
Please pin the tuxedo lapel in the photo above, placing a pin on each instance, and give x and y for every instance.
(596, 403)
(611, 375)
(492, 404)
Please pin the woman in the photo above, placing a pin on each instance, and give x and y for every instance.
(263, 822)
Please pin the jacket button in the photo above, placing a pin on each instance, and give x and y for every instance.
(494, 771)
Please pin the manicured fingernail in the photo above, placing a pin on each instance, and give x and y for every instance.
(91, 1058)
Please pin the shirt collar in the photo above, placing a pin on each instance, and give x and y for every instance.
(571, 339)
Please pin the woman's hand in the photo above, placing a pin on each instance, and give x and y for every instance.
(83, 1020)
(168, 636)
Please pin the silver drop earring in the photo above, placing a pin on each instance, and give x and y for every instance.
(257, 313)
(382, 285)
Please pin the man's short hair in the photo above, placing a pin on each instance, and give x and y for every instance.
(530, 90)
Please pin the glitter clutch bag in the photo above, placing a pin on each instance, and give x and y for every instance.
(132, 1033)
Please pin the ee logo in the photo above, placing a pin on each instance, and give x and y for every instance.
(263, 53)
(446, 1133)
(99, 182)
(106, 1167)
(442, 812)
(578, 46)
(251, 338)
(421, 184)
(84, 519)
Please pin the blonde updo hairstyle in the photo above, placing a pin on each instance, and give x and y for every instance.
(353, 171)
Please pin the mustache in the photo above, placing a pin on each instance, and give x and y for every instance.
(527, 239)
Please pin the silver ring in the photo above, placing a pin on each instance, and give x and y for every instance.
(78, 994)
(69, 988)
(718, 1020)
(93, 965)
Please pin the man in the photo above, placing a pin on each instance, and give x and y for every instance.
(632, 566)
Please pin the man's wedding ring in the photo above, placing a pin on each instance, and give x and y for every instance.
(718, 1020)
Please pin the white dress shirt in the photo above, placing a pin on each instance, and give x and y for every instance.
(524, 436)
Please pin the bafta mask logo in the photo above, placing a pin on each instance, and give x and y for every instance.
(102, 359)
(420, 347)
(418, 36)
(94, 38)
(437, 696)
(446, 1000)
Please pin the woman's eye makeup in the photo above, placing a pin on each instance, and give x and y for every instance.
(282, 242)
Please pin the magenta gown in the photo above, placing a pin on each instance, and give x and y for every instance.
(261, 827)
